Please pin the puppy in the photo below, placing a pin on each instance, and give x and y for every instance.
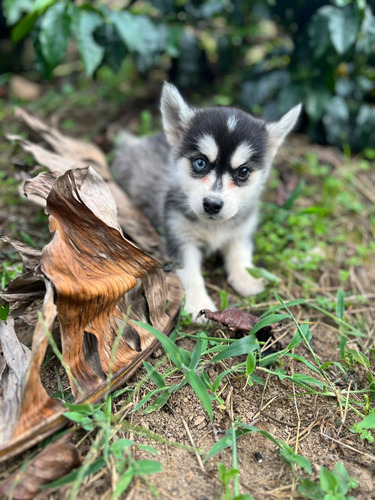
(200, 184)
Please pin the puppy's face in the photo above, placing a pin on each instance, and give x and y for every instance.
(220, 162)
(222, 155)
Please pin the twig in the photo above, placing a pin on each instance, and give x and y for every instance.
(364, 454)
(199, 460)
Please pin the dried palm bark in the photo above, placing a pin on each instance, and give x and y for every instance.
(95, 286)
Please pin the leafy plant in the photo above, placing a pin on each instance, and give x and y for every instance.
(333, 485)
(321, 53)
(362, 427)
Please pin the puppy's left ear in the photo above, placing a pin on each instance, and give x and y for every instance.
(175, 112)
(277, 131)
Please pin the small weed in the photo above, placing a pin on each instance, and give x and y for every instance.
(333, 485)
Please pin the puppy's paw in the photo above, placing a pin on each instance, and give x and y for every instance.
(245, 284)
(195, 304)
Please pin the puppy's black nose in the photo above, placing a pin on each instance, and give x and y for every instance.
(212, 206)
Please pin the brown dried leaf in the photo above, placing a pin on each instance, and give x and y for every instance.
(36, 404)
(67, 147)
(92, 266)
(73, 154)
(234, 319)
(55, 461)
(30, 255)
(13, 363)
(99, 279)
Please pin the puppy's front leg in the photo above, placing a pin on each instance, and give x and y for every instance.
(196, 296)
(238, 258)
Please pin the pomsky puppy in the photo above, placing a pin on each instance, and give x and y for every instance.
(200, 183)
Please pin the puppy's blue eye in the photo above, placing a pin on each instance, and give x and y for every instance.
(199, 164)
(242, 173)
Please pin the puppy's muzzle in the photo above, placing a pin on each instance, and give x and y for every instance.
(212, 206)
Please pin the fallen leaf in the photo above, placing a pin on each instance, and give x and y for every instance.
(24, 89)
(72, 154)
(234, 319)
(13, 363)
(55, 461)
(95, 285)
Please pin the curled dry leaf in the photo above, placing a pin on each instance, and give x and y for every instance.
(13, 364)
(97, 284)
(234, 319)
(69, 154)
(55, 461)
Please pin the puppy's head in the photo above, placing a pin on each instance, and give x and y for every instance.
(222, 155)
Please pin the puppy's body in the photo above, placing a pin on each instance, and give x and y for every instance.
(200, 183)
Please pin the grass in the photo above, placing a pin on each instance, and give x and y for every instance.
(316, 247)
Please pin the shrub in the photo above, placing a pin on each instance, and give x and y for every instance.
(265, 55)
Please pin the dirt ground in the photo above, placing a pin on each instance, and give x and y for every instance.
(310, 424)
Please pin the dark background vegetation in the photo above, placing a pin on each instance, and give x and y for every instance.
(263, 55)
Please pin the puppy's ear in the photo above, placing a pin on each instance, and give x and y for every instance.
(175, 112)
(277, 131)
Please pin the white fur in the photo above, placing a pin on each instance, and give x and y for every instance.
(231, 123)
(208, 147)
(241, 155)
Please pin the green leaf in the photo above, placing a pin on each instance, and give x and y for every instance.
(267, 321)
(250, 363)
(340, 304)
(310, 489)
(343, 26)
(4, 311)
(27, 23)
(118, 447)
(123, 483)
(159, 402)
(200, 390)
(219, 378)
(219, 446)
(127, 28)
(298, 337)
(328, 481)
(242, 346)
(200, 346)
(260, 272)
(291, 457)
(345, 482)
(154, 375)
(13, 10)
(141, 467)
(55, 33)
(319, 39)
(368, 422)
(176, 354)
(84, 23)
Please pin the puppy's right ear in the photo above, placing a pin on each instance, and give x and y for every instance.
(175, 112)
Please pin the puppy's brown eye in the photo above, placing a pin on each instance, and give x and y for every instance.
(242, 173)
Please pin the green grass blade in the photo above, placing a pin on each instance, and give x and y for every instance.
(200, 390)
(268, 321)
(242, 346)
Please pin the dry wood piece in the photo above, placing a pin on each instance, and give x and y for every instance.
(95, 286)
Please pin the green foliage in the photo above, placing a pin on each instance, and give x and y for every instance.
(320, 53)
(362, 428)
(117, 453)
(334, 485)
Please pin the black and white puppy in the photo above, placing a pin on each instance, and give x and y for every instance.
(200, 183)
